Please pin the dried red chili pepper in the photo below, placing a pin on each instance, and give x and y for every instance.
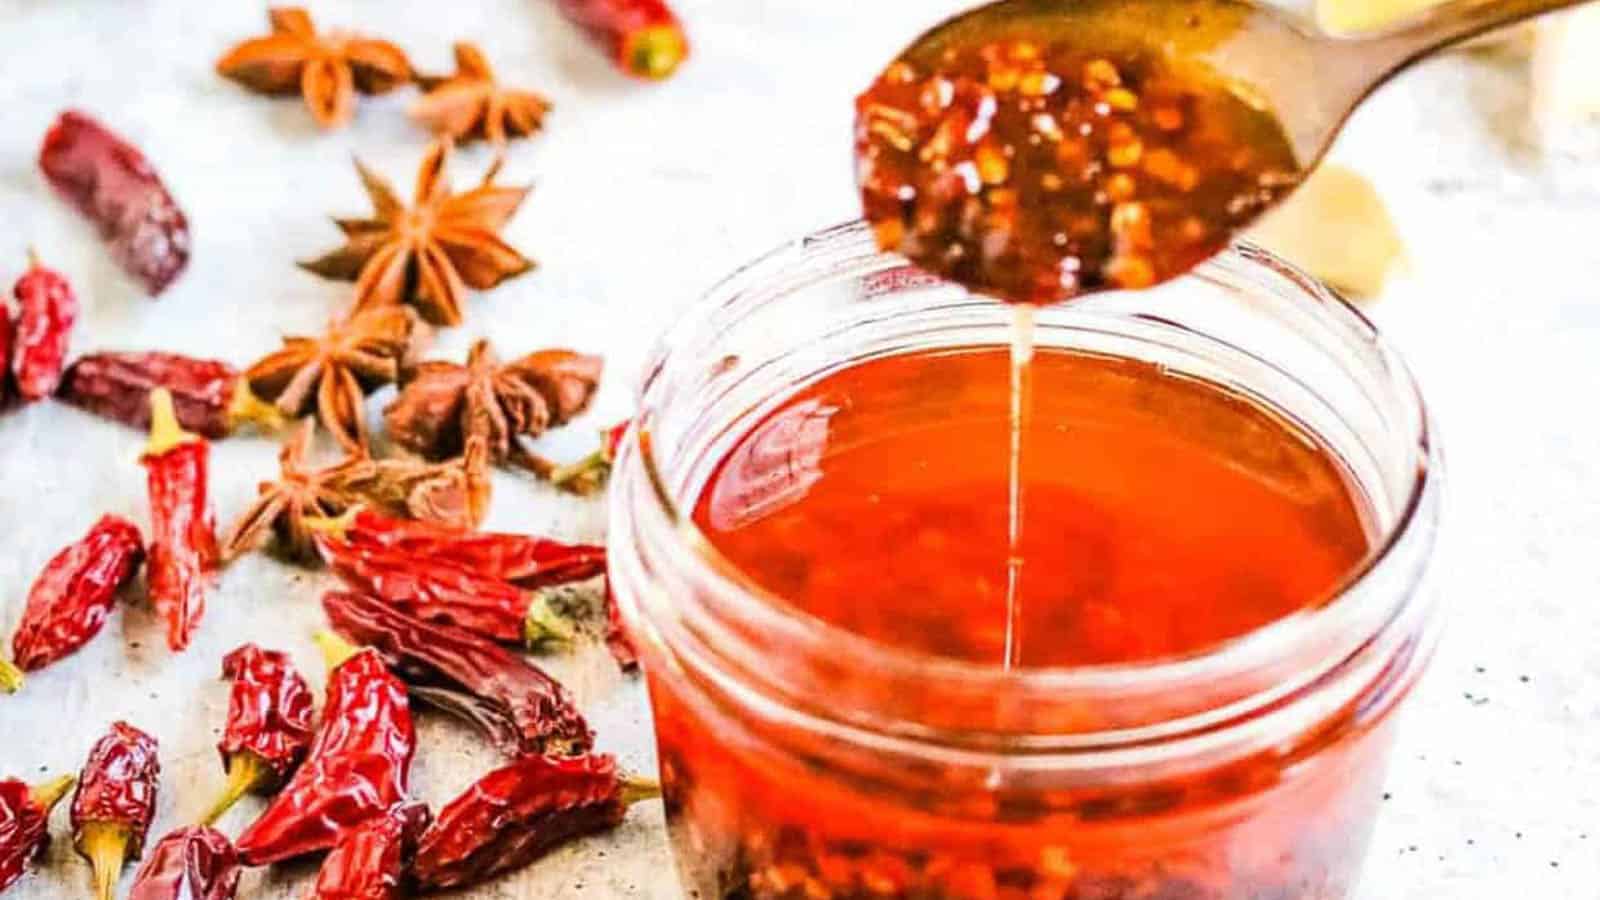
(109, 181)
(46, 311)
(183, 538)
(115, 800)
(524, 560)
(519, 708)
(617, 639)
(358, 767)
(209, 396)
(643, 37)
(25, 823)
(8, 342)
(370, 860)
(442, 591)
(269, 724)
(518, 813)
(69, 601)
(192, 863)
(590, 474)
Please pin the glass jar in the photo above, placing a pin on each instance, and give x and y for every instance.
(800, 760)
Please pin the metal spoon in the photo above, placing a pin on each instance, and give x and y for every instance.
(1311, 80)
(1002, 149)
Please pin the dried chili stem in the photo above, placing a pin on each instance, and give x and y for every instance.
(575, 475)
(11, 677)
(106, 846)
(655, 53)
(545, 625)
(335, 649)
(637, 789)
(47, 794)
(246, 772)
(165, 432)
(245, 406)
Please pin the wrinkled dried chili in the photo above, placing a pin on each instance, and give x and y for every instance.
(358, 767)
(46, 312)
(208, 396)
(370, 860)
(442, 591)
(8, 342)
(114, 802)
(183, 540)
(70, 600)
(269, 724)
(643, 37)
(618, 641)
(524, 560)
(517, 706)
(111, 183)
(520, 812)
(192, 863)
(25, 823)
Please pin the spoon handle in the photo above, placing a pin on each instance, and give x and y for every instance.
(1451, 23)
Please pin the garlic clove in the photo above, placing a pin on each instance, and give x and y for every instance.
(1337, 228)
(1356, 16)
(1360, 16)
(1566, 72)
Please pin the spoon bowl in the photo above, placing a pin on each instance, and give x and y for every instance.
(1038, 150)
(1277, 59)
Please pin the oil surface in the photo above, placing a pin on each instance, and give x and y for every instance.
(1161, 515)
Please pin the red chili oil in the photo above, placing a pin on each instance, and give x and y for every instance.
(1028, 169)
(1162, 516)
(1165, 516)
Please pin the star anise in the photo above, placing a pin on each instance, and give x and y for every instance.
(326, 70)
(334, 374)
(472, 105)
(454, 492)
(429, 254)
(442, 405)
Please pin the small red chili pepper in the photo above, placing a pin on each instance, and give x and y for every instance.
(183, 537)
(522, 559)
(359, 765)
(617, 639)
(192, 863)
(517, 706)
(590, 474)
(370, 860)
(25, 823)
(114, 803)
(208, 396)
(269, 724)
(441, 591)
(69, 601)
(46, 312)
(8, 343)
(518, 813)
(643, 37)
(109, 181)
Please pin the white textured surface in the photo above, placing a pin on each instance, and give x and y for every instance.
(647, 194)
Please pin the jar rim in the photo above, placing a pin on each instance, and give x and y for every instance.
(1306, 627)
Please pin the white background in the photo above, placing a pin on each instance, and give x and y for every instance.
(645, 195)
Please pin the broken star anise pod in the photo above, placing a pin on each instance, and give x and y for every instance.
(472, 105)
(443, 405)
(300, 492)
(333, 374)
(326, 70)
(430, 254)
(453, 493)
